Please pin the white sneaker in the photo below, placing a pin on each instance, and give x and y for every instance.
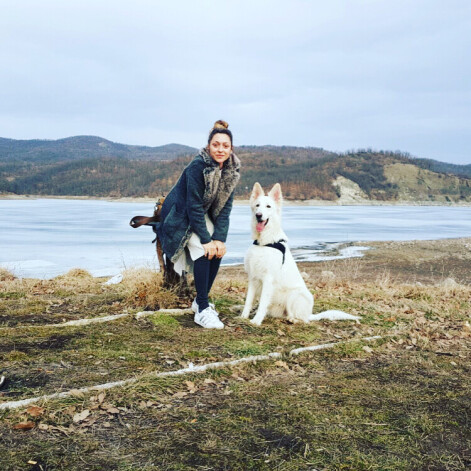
(208, 318)
(194, 306)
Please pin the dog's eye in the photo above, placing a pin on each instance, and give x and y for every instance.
(268, 206)
(257, 205)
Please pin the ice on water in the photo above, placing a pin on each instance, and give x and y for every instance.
(47, 237)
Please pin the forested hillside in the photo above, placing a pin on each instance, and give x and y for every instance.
(117, 170)
(83, 147)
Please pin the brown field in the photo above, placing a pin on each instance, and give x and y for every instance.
(399, 403)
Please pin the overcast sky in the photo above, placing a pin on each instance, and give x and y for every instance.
(386, 74)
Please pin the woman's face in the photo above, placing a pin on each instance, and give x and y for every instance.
(220, 148)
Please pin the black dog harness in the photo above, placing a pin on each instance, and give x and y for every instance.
(277, 245)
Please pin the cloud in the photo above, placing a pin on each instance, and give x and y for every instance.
(338, 74)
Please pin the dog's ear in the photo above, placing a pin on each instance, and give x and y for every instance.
(275, 193)
(257, 191)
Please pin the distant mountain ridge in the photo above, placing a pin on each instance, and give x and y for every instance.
(93, 166)
(80, 147)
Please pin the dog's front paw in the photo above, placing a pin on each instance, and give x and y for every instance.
(245, 314)
(256, 322)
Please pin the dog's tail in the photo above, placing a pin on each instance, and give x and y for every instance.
(333, 315)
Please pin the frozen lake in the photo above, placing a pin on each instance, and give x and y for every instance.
(46, 237)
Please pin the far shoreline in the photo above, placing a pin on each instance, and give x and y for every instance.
(241, 202)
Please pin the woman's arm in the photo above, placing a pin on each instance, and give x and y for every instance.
(221, 225)
(194, 195)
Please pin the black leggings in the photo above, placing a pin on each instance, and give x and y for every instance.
(205, 272)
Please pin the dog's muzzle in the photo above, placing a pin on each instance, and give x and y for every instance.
(260, 226)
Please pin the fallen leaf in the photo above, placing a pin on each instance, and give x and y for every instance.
(209, 381)
(180, 394)
(110, 408)
(76, 393)
(280, 332)
(81, 416)
(237, 377)
(193, 421)
(367, 349)
(101, 397)
(24, 426)
(281, 363)
(32, 462)
(62, 429)
(191, 386)
(71, 410)
(43, 426)
(35, 411)
(88, 422)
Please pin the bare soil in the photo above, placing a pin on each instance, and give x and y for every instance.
(417, 261)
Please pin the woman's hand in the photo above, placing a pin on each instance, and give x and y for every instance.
(210, 249)
(220, 248)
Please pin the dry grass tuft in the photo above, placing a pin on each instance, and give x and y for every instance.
(6, 275)
(77, 273)
(77, 280)
(143, 289)
(383, 279)
(339, 271)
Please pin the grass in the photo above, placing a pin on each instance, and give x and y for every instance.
(400, 403)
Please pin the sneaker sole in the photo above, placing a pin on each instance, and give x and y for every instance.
(204, 327)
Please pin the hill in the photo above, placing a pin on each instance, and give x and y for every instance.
(83, 147)
(92, 166)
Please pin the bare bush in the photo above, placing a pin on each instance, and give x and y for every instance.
(6, 275)
(143, 289)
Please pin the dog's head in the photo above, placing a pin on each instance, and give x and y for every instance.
(266, 209)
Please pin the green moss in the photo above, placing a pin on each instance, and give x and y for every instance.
(161, 320)
(16, 356)
(12, 295)
(245, 348)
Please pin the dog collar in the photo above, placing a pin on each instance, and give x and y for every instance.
(277, 245)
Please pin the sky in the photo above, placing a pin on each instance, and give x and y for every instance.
(337, 74)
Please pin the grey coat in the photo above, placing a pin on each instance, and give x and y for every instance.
(201, 189)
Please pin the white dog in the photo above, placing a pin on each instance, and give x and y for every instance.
(273, 274)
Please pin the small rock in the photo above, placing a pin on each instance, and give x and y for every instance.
(448, 283)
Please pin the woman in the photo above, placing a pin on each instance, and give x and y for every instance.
(195, 218)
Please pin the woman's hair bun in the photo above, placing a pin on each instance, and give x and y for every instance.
(220, 124)
(220, 127)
